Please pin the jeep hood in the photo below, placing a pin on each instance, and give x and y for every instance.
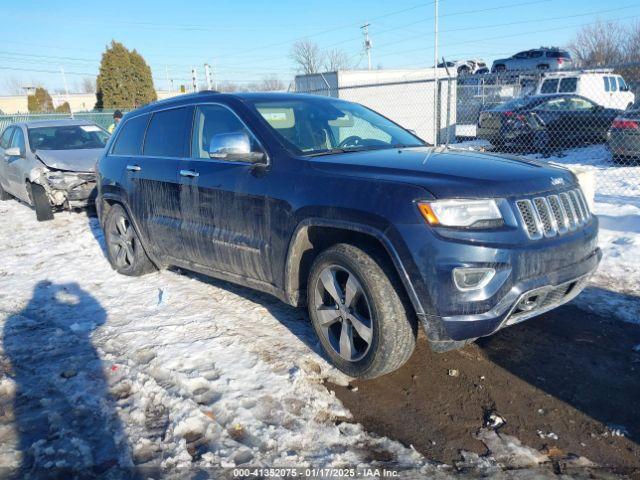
(450, 173)
(83, 160)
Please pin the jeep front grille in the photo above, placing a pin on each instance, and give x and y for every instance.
(552, 215)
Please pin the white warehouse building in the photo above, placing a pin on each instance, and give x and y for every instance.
(405, 96)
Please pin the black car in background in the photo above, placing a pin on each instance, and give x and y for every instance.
(624, 136)
(546, 121)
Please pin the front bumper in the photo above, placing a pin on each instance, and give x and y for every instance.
(521, 265)
(623, 144)
(553, 289)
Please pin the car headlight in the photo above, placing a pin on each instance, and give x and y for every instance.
(462, 213)
(61, 179)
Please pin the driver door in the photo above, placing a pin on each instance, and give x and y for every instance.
(5, 141)
(223, 206)
(16, 167)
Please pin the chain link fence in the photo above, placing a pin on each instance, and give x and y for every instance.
(104, 118)
(587, 117)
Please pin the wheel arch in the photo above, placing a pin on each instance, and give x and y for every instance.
(105, 202)
(314, 235)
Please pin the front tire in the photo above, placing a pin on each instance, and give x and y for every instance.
(44, 210)
(357, 311)
(3, 194)
(124, 250)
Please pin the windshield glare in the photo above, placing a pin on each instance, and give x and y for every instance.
(67, 137)
(310, 126)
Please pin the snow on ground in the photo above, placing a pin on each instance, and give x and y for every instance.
(615, 287)
(177, 370)
(173, 367)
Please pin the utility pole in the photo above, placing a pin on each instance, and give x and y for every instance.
(436, 112)
(367, 42)
(166, 71)
(207, 75)
(66, 89)
(194, 80)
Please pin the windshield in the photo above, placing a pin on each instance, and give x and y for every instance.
(67, 137)
(322, 126)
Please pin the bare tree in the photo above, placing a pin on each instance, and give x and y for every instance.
(599, 44)
(337, 59)
(14, 86)
(631, 47)
(228, 87)
(88, 85)
(307, 56)
(271, 83)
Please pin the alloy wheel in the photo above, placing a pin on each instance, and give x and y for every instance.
(343, 313)
(122, 242)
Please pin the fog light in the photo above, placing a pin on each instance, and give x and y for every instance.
(467, 279)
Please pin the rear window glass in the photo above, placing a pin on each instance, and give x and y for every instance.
(558, 54)
(129, 140)
(514, 104)
(67, 137)
(568, 85)
(549, 86)
(168, 133)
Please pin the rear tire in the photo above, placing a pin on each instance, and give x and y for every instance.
(124, 250)
(368, 331)
(44, 211)
(3, 194)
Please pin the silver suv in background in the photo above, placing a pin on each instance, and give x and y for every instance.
(542, 58)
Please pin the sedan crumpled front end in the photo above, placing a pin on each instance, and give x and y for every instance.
(70, 189)
(67, 176)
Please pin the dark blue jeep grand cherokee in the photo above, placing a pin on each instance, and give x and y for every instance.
(326, 203)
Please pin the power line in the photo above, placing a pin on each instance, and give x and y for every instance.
(386, 45)
(501, 37)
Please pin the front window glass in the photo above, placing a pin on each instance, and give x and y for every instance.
(577, 103)
(6, 136)
(212, 120)
(67, 137)
(554, 105)
(606, 84)
(623, 86)
(18, 140)
(316, 126)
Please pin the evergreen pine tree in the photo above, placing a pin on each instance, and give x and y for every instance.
(124, 80)
(40, 101)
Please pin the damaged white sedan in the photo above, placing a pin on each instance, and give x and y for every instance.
(50, 164)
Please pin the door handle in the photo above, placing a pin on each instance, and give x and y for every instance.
(189, 173)
(133, 168)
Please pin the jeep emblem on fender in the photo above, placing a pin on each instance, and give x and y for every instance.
(557, 181)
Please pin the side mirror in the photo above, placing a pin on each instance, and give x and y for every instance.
(13, 152)
(235, 147)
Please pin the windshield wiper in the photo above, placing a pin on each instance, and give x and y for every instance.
(326, 152)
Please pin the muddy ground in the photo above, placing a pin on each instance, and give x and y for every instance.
(569, 374)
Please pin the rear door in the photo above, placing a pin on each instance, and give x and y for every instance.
(5, 141)
(223, 203)
(154, 179)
